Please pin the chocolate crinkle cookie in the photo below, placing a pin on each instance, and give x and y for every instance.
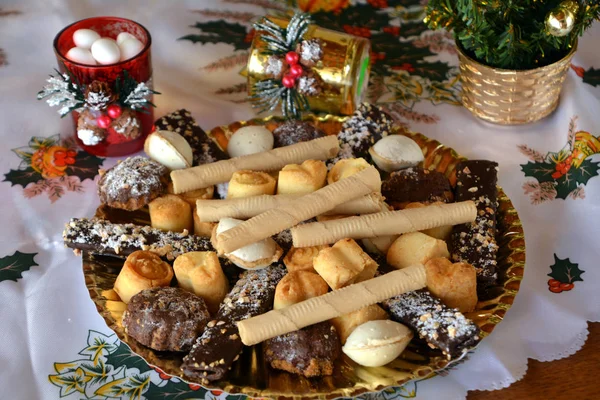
(311, 351)
(165, 318)
(417, 184)
(292, 132)
(133, 183)
(363, 129)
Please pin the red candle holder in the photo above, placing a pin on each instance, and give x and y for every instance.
(139, 68)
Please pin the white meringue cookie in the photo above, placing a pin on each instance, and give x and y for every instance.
(250, 140)
(169, 148)
(376, 343)
(121, 37)
(106, 51)
(256, 255)
(395, 152)
(130, 48)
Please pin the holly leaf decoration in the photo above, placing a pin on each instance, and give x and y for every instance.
(413, 28)
(11, 267)
(565, 185)
(592, 76)
(541, 171)
(357, 16)
(565, 271)
(124, 356)
(220, 32)
(85, 166)
(22, 177)
(175, 391)
(588, 169)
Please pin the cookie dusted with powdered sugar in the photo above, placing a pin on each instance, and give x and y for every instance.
(133, 183)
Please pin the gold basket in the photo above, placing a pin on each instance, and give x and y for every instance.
(511, 97)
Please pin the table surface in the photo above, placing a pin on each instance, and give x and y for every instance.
(556, 380)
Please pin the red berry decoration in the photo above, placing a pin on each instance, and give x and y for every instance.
(553, 283)
(292, 58)
(114, 111)
(566, 286)
(103, 121)
(288, 81)
(555, 289)
(296, 70)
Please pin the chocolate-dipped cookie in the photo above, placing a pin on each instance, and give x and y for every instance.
(416, 185)
(133, 183)
(292, 132)
(165, 318)
(311, 351)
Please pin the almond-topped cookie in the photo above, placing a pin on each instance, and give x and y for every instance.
(133, 183)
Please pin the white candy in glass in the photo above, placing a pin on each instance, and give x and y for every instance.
(84, 38)
(123, 36)
(80, 55)
(106, 51)
(130, 48)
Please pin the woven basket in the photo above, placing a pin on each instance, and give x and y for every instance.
(511, 97)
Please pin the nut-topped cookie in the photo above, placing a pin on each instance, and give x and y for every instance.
(133, 183)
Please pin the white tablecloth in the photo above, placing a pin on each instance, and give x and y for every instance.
(50, 331)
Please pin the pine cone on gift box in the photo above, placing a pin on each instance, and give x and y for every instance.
(310, 52)
(88, 130)
(127, 124)
(310, 84)
(98, 95)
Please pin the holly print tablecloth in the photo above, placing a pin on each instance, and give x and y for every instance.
(53, 342)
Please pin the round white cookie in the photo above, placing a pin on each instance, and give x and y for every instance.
(376, 343)
(256, 255)
(169, 148)
(395, 152)
(250, 140)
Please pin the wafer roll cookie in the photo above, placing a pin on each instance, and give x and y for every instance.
(248, 207)
(298, 210)
(185, 180)
(331, 305)
(383, 224)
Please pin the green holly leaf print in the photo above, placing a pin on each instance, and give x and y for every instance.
(588, 169)
(70, 382)
(22, 177)
(565, 271)
(565, 185)
(353, 19)
(85, 166)
(176, 390)
(220, 32)
(11, 267)
(592, 76)
(434, 71)
(130, 387)
(542, 171)
(124, 356)
(412, 28)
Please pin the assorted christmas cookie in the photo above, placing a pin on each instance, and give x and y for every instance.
(284, 206)
(165, 318)
(132, 183)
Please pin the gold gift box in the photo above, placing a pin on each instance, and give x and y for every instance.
(344, 68)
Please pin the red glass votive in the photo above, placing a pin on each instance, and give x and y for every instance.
(139, 67)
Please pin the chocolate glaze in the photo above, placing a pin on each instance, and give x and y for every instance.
(416, 185)
(204, 149)
(441, 327)
(475, 243)
(310, 351)
(220, 345)
(292, 132)
(99, 236)
(165, 318)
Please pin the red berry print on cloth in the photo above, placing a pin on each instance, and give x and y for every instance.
(52, 166)
(565, 173)
(13, 266)
(564, 275)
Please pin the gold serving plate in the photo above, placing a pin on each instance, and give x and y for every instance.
(250, 375)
